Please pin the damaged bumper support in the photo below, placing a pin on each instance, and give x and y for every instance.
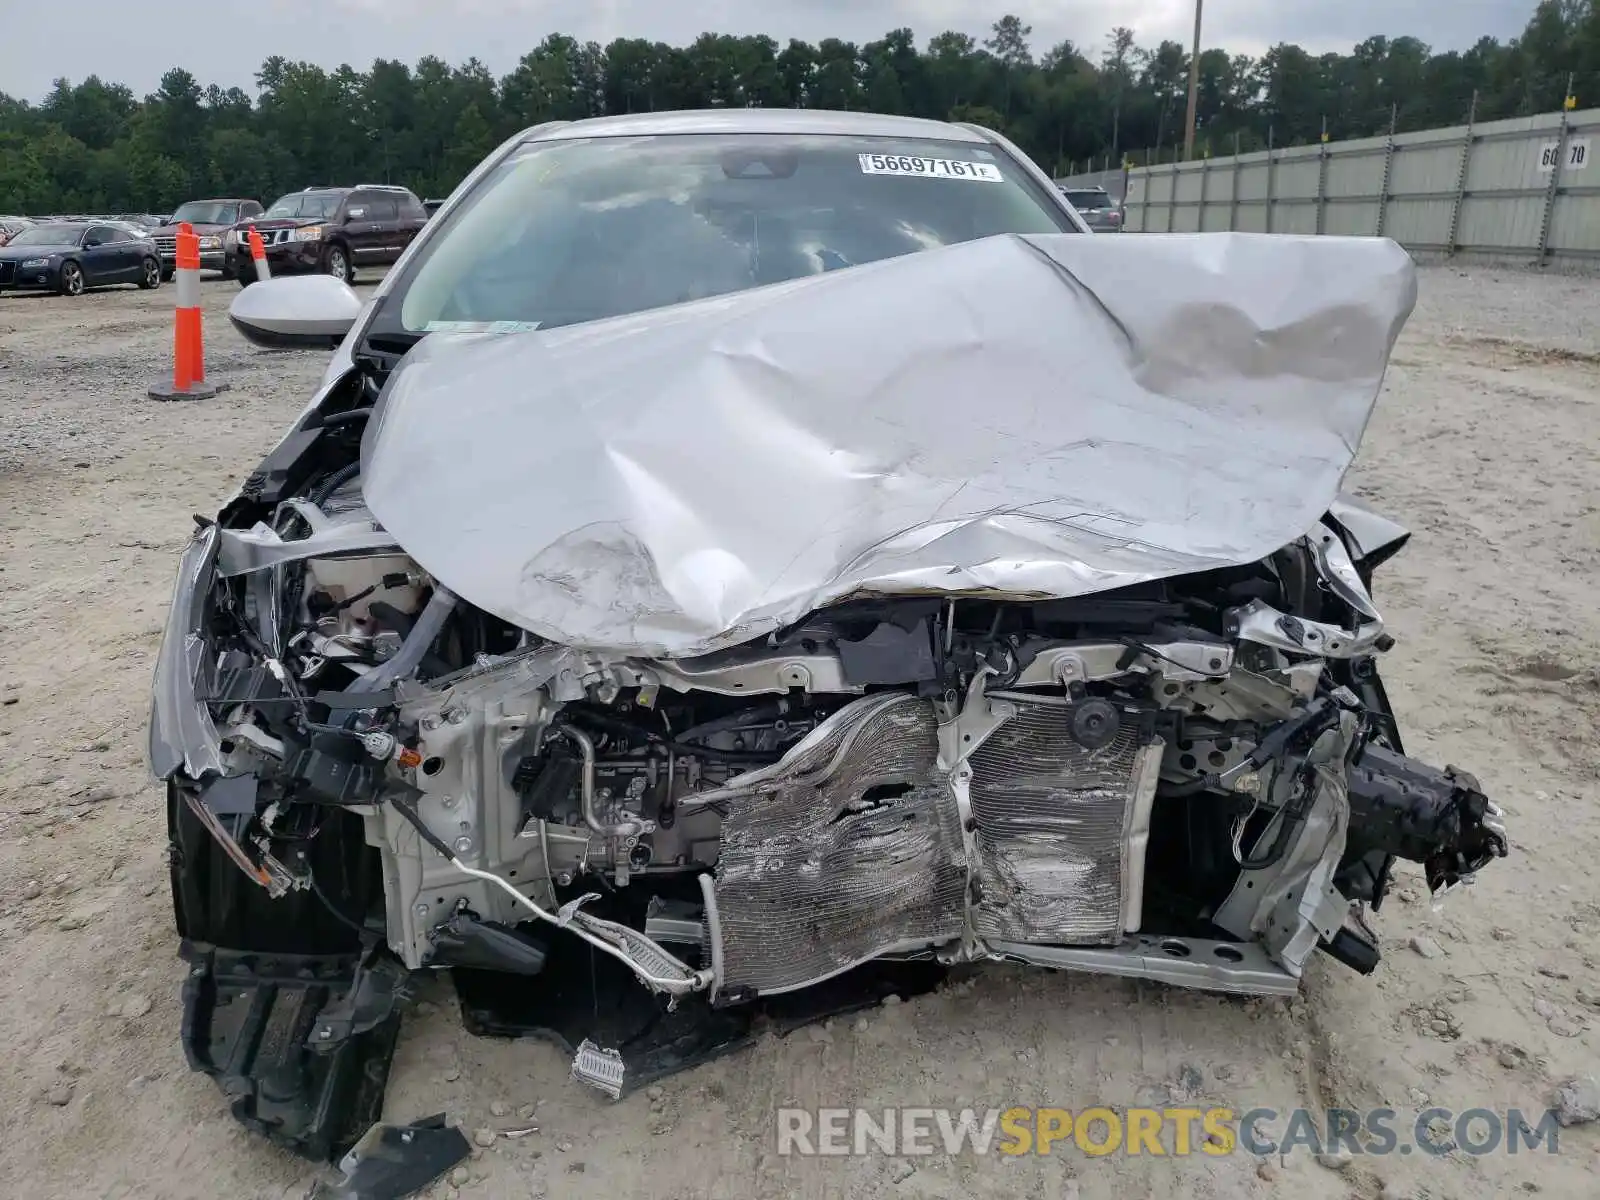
(1005, 826)
(890, 849)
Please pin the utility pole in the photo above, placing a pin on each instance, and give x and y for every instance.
(1194, 87)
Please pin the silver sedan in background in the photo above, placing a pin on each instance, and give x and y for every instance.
(1097, 207)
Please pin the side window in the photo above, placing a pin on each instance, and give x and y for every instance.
(250, 209)
(357, 206)
(412, 209)
(100, 235)
(382, 208)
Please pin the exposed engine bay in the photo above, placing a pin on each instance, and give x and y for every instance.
(1209, 762)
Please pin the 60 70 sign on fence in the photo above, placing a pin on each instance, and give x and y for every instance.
(1576, 157)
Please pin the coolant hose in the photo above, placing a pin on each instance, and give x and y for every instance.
(422, 636)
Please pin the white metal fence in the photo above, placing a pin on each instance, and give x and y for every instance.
(1526, 187)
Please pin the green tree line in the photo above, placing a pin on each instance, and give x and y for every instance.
(93, 146)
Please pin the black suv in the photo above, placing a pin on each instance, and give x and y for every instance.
(331, 230)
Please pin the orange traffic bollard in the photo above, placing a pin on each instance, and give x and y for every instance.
(188, 355)
(258, 255)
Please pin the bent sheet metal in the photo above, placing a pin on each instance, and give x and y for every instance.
(1027, 416)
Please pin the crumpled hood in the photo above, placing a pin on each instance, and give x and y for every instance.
(1023, 416)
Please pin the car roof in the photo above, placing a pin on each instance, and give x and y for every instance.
(755, 120)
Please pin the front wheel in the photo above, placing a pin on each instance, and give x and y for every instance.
(71, 281)
(150, 277)
(336, 262)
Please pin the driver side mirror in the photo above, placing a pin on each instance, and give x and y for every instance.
(296, 312)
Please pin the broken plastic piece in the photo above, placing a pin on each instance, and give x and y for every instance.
(394, 1161)
(465, 941)
(599, 1068)
(240, 1011)
(370, 1000)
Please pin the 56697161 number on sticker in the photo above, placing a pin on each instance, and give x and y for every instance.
(932, 168)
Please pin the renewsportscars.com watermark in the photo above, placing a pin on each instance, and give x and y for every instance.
(1175, 1131)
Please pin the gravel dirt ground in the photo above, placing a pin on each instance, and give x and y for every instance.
(1487, 443)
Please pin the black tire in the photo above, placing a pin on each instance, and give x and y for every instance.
(336, 262)
(245, 277)
(70, 281)
(150, 277)
(167, 273)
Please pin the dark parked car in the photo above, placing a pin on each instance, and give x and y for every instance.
(68, 257)
(330, 230)
(1096, 207)
(211, 220)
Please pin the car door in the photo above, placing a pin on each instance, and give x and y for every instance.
(386, 214)
(130, 250)
(101, 256)
(413, 216)
(361, 229)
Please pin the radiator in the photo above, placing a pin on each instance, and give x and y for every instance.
(851, 846)
(851, 849)
(1061, 830)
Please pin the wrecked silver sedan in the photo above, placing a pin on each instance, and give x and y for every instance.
(742, 564)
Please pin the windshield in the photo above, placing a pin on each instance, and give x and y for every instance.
(48, 235)
(302, 204)
(570, 231)
(206, 212)
(1083, 200)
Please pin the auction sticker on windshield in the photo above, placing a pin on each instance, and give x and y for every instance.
(934, 168)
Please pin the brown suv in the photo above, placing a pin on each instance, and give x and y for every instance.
(211, 219)
(329, 230)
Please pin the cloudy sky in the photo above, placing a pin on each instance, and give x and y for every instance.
(223, 41)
